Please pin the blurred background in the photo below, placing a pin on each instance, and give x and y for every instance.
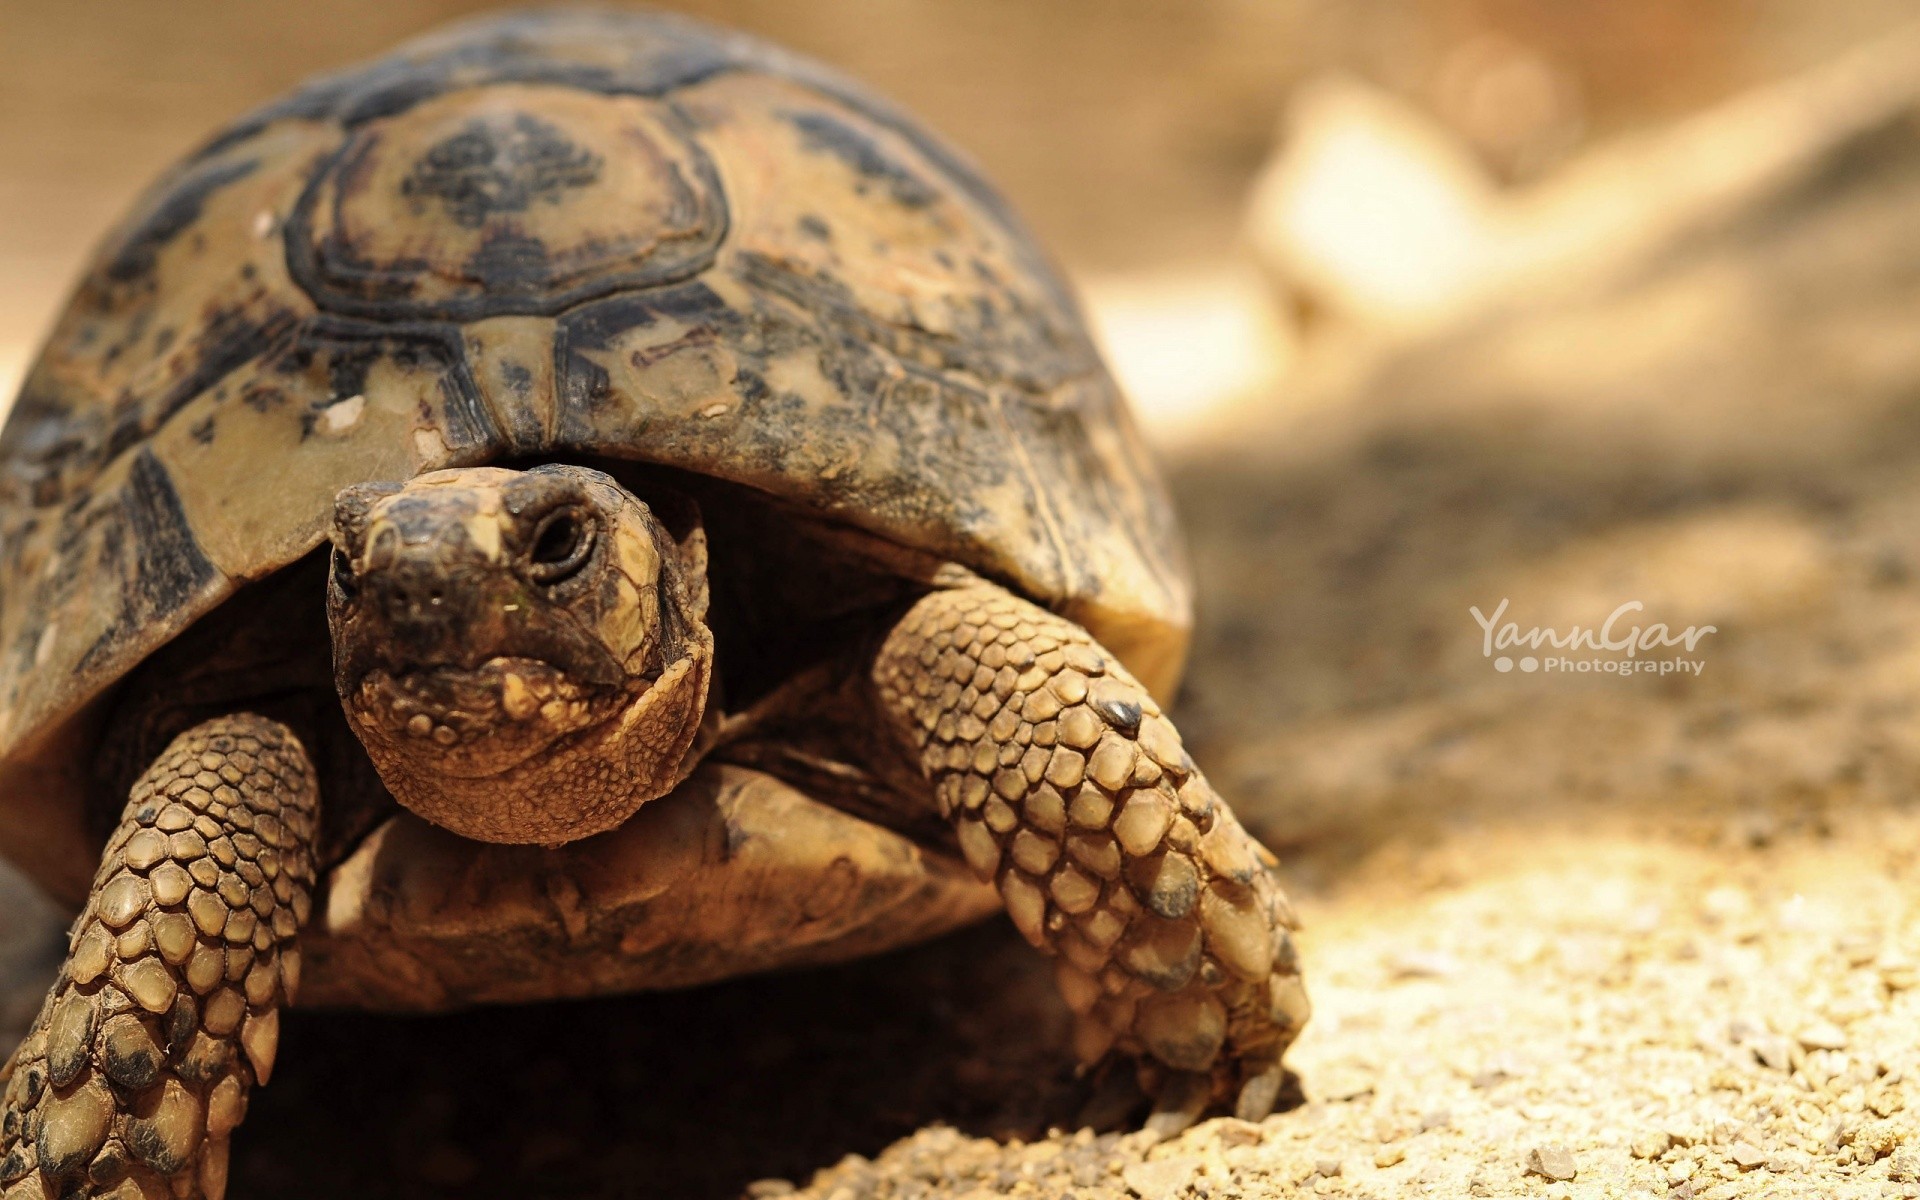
(1131, 132)
(1426, 304)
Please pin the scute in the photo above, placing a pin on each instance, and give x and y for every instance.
(514, 199)
(551, 235)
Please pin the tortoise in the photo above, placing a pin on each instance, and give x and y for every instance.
(588, 502)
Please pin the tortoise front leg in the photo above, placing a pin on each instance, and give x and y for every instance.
(1070, 790)
(168, 1008)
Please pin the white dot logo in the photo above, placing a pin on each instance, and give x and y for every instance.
(1529, 664)
(1503, 664)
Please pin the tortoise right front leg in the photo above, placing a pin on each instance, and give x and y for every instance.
(1070, 790)
(166, 1012)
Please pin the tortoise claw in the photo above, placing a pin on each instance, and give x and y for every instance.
(1182, 1097)
(1259, 1094)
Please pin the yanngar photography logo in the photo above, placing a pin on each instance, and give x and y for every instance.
(1619, 645)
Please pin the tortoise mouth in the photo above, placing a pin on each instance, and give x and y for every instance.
(475, 721)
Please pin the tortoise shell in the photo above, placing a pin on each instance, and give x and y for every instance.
(548, 237)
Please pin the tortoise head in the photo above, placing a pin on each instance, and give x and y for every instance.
(522, 653)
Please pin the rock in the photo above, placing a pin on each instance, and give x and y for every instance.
(1877, 1139)
(760, 1189)
(1327, 1168)
(1904, 1166)
(1773, 1052)
(1163, 1179)
(1387, 1156)
(1651, 1145)
(1232, 1131)
(1822, 1035)
(1747, 1156)
(1552, 1161)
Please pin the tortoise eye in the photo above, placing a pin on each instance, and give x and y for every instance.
(561, 543)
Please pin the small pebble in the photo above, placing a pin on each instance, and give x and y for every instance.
(1773, 1052)
(1651, 1145)
(1747, 1156)
(1327, 1168)
(1904, 1166)
(1553, 1161)
(1161, 1180)
(1387, 1156)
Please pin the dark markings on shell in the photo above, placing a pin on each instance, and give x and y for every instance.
(823, 133)
(145, 541)
(584, 384)
(232, 338)
(170, 563)
(694, 305)
(177, 213)
(511, 263)
(674, 53)
(469, 423)
(345, 350)
(51, 447)
(986, 402)
(42, 434)
(511, 272)
(500, 164)
(348, 361)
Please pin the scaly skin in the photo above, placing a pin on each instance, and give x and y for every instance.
(1071, 791)
(167, 1011)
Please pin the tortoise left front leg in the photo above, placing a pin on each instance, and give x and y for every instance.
(167, 1010)
(1071, 791)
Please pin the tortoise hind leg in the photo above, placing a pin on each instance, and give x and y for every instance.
(1070, 790)
(167, 1010)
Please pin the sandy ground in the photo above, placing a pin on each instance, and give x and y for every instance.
(1581, 935)
(1568, 934)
